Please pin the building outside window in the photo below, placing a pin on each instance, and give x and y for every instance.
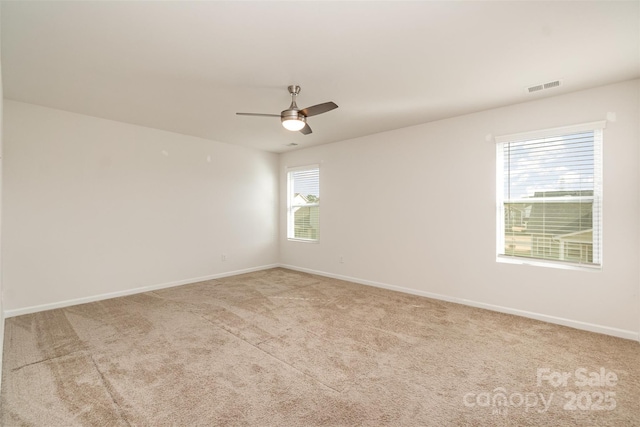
(303, 203)
(549, 187)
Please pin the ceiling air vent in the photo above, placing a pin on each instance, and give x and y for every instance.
(543, 86)
(552, 84)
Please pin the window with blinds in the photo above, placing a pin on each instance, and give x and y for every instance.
(303, 203)
(549, 187)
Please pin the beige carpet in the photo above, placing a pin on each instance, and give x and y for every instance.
(283, 348)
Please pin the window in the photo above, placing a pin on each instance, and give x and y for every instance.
(303, 203)
(549, 191)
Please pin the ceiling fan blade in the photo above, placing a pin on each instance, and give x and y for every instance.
(306, 130)
(258, 114)
(319, 109)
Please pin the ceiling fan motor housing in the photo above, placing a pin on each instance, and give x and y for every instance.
(292, 115)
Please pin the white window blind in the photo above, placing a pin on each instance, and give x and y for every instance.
(303, 202)
(550, 195)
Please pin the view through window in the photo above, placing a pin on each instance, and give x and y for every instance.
(303, 203)
(549, 195)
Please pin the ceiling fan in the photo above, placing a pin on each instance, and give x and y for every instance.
(293, 118)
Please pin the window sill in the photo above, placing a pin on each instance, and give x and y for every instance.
(548, 263)
(291, 239)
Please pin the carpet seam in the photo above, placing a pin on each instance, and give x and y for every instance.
(48, 359)
(108, 389)
(271, 355)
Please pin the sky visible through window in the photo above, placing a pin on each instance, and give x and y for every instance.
(563, 163)
(306, 182)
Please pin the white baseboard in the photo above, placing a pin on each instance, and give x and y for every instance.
(620, 333)
(76, 301)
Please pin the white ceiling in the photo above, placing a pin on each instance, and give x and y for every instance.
(188, 67)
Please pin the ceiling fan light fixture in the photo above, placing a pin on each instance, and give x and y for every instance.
(293, 124)
(292, 120)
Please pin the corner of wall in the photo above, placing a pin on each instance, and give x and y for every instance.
(1, 304)
(280, 210)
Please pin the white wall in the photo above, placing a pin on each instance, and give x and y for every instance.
(1, 272)
(415, 208)
(94, 207)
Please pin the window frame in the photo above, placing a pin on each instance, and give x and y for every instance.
(291, 206)
(597, 206)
